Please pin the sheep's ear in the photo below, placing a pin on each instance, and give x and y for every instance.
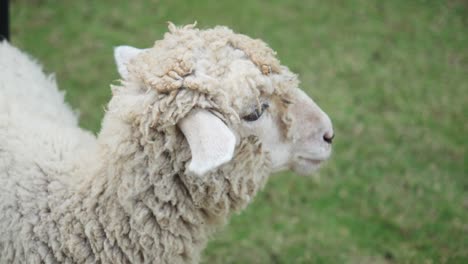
(122, 55)
(211, 142)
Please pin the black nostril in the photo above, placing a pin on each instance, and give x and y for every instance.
(328, 139)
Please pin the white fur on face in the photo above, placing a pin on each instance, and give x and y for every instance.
(267, 129)
(306, 149)
(310, 126)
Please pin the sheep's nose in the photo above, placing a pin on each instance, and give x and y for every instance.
(328, 137)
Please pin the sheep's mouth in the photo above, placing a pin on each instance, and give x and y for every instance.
(311, 161)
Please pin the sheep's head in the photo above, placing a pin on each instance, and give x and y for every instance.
(219, 88)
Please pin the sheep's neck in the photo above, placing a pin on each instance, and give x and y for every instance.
(147, 208)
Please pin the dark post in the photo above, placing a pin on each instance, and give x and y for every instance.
(4, 20)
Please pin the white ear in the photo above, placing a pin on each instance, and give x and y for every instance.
(122, 55)
(211, 142)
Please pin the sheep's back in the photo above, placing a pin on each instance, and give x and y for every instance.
(39, 161)
(24, 87)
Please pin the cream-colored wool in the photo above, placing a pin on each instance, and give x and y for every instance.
(127, 197)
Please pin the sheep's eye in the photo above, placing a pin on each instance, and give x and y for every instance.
(256, 114)
(286, 101)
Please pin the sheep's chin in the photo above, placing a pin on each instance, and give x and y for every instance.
(305, 166)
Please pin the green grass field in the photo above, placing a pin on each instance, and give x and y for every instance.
(392, 75)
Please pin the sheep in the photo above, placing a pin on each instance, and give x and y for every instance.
(192, 132)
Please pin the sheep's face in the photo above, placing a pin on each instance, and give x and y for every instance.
(241, 91)
(293, 130)
(302, 144)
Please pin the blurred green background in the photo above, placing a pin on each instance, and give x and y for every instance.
(392, 75)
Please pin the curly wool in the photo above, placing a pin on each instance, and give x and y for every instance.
(128, 198)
